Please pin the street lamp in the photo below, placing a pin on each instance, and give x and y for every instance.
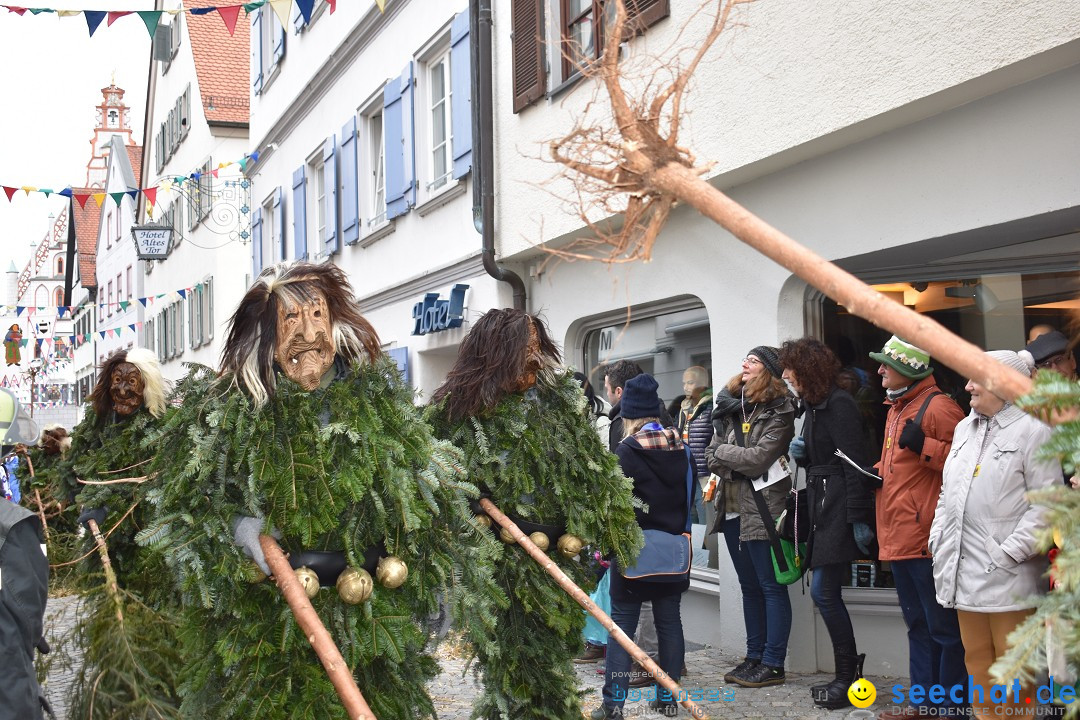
(35, 367)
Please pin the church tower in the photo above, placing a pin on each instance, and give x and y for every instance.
(112, 119)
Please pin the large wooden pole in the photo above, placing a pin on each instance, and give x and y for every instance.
(315, 632)
(584, 601)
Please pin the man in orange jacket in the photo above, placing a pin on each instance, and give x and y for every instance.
(918, 436)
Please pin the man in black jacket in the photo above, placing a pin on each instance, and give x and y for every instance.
(24, 578)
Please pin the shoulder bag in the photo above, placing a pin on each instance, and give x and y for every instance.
(666, 557)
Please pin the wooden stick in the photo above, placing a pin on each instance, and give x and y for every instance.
(584, 601)
(41, 514)
(133, 480)
(111, 585)
(315, 631)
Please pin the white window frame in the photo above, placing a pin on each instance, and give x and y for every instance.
(269, 256)
(270, 26)
(372, 166)
(317, 210)
(436, 56)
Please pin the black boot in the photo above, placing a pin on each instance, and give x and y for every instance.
(820, 687)
(835, 695)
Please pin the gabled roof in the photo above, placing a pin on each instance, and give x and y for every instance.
(135, 159)
(87, 220)
(222, 64)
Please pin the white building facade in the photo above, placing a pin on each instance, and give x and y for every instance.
(197, 133)
(931, 149)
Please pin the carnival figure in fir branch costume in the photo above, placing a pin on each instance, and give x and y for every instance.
(529, 444)
(308, 433)
(127, 626)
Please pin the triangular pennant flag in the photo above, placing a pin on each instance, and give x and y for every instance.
(283, 9)
(214, 172)
(229, 15)
(17, 10)
(139, 325)
(243, 163)
(382, 5)
(27, 189)
(64, 13)
(255, 156)
(60, 310)
(143, 301)
(47, 191)
(150, 18)
(81, 337)
(98, 198)
(117, 197)
(24, 342)
(333, 5)
(30, 311)
(66, 192)
(93, 19)
(201, 10)
(159, 296)
(38, 10)
(102, 334)
(39, 341)
(252, 6)
(124, 304)
(305, 9)
(82, 198)
(19, 310)
(182, 293)
(151, 195)
(132, 326)
(115, 15)
(133, 194)
(112, 333)
(9, 191)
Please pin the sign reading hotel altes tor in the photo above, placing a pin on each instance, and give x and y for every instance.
(152, 242)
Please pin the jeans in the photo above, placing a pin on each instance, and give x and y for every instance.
(934, 645)
(825, 589)
(669, 633)
(766, 605)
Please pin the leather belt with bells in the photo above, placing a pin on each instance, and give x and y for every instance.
(329, 564)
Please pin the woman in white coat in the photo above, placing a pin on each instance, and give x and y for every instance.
(983, 538)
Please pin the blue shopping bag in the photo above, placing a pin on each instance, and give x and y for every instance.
(594, 631)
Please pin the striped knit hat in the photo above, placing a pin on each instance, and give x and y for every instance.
(906, 359)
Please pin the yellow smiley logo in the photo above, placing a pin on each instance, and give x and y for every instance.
(862, 693)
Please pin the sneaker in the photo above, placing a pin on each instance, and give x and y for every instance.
(606, 712)
(667, 708)
(593, 653)
(761, 676)
(742, 668)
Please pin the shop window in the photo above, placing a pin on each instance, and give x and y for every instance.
(664, 343)
(993, 311)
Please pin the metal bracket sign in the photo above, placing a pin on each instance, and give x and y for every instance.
(435, 315)
(152, 242)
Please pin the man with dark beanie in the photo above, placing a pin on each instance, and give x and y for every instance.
(918, 437)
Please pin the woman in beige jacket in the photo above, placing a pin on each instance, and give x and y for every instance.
(983, 538)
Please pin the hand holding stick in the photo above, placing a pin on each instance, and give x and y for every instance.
(583, 600)
(315, 631)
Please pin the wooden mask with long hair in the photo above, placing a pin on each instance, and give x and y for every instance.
(252, 340)
(495, 360)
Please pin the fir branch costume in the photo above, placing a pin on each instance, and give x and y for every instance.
(537, 455)
(347, 466)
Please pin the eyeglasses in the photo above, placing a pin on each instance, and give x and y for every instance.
(1051, 362)
(751, 360)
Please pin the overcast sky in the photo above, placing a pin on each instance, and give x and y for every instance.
(52, 79)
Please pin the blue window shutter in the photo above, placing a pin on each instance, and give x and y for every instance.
(398, 137)
(256, 243)
(279, 226)
(256, 51)
(347, 184)
(461, 94)
(332, 241)
(279, 38)
(299, 213)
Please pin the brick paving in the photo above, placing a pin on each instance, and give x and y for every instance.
(453, 693)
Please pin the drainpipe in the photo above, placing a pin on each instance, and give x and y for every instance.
(483, 125)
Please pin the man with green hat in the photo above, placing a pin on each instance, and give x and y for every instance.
(24, 578)
(918, 436)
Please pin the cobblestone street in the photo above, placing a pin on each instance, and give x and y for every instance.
(453, 693)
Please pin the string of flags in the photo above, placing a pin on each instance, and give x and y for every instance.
(60, 311)
(228, 13)
(164, 185)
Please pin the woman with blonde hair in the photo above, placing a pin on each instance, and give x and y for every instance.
(754, 421)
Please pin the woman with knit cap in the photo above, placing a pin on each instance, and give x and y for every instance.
(984, 535)
(754, 420)
(653, 457)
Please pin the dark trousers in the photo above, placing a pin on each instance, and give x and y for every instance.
(934, 645)
(825, 588)
(766, 605)
(669, 634)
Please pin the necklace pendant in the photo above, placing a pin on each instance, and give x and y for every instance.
(976, 474)
(745, 428)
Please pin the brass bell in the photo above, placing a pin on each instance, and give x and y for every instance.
(354, 585)
(540, 540)
(309, 580)
(391, 572)
(570, 545)
(506, 537)
(482, 520)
